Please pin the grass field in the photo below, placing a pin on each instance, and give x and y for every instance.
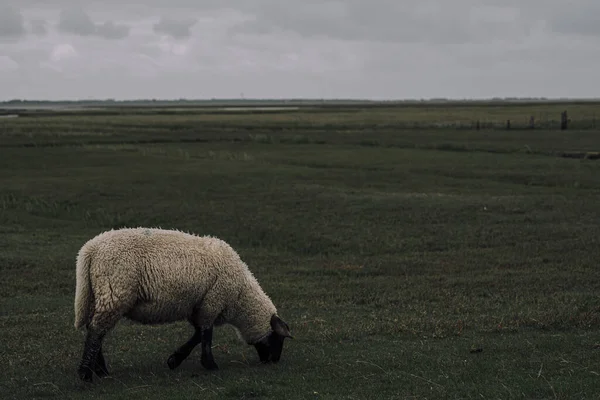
(409, 262)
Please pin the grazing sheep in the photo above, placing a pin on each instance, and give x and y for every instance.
(156, 276)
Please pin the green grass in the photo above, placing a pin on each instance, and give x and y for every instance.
(409, 263)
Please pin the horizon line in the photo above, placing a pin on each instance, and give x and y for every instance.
(300, 99)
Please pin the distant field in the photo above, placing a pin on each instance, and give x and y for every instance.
(415, 115)
(412, 255)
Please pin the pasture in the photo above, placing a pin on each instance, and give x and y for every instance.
(412, 257)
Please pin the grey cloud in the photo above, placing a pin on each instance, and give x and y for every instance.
(178, 29)
(110, 30)
(580, 18)
(7, 63)
(387, 21)
(399, 21)
(12, 23)
(28, 57)
(286, 48)
(38, 27)
(78, 22)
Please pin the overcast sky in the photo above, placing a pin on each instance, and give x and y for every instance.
(377, 49)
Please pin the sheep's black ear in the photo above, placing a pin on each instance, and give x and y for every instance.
(280, 327)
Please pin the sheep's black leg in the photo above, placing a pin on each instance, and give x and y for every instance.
(91, 349)
(100, 368)
(184, 351)
(207, 359)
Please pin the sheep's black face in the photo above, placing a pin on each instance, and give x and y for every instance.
(270, 348)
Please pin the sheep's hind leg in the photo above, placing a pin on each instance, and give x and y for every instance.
(91, 352)
(89, 362)
(106, 316)
(100, 366)
(184, 350)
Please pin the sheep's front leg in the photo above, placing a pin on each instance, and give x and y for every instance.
(207, 360)
(184, 350)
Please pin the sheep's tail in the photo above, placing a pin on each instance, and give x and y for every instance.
(84, 297)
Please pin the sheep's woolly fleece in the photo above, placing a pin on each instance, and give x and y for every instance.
(153, 275)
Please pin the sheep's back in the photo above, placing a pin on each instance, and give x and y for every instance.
(170, 271)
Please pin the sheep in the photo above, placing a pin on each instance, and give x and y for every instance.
(159, 276)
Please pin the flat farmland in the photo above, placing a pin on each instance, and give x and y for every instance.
(412, 255)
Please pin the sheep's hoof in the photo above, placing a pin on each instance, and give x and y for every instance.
(209, 364)
(101, 372)
(174, 361)
(85, 374)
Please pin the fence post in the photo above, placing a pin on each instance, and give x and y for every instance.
(563, 121)
(508, 124)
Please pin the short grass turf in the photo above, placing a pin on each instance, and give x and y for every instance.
(422, 264)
